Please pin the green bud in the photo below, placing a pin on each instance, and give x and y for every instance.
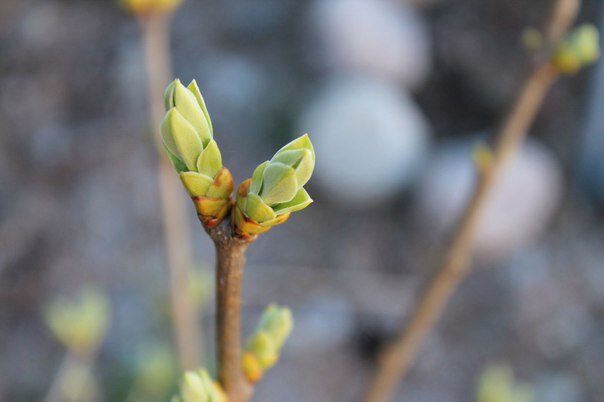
(277, 322)
(263, 347)
(187, 123)
(80, 323)
(155, 370)
(187, 137)
(579, 49)
(275, 189)
(497, 384)
(181, 139)
(198, 386)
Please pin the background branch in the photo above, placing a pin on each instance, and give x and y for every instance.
(396, 358)
(185, 314)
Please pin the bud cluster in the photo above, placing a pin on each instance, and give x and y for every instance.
(266, 199)
(187, 135)
(275, 189)
(264, 346)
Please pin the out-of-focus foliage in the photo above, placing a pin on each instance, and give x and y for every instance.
(198, 386)
(579, 49)
(156, 373)
(264, 345)
(79, 323)
(497, 384)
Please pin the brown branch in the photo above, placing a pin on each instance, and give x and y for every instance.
(396, 358)
(230, 264)
(155, 30)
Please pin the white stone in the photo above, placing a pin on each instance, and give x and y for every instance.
(521, 204)
(383, 38)
(370, 140)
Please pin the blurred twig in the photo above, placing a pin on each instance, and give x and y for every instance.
(396, 358)
(155, 29)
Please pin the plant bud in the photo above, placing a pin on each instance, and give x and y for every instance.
(262, 349)
(275, 189)
(277, 322)
(497, 384)
(579, 49)
(79, 324)
(198, 386)
(143, 7)
(188, 140)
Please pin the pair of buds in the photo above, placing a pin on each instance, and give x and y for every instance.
(266, 199)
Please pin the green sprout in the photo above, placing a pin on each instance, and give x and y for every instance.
(275, 189)
(264, 345)
(188, 140)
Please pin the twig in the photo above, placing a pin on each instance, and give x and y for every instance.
(230, 264)
(176, 231)
(397, 357)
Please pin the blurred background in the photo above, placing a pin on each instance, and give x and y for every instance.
(394, 95)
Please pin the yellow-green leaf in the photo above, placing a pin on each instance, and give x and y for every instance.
(210, 160)
(197, 184)
(300, 201)
(257, 210)
(187, 105)
(257, 177)
(302, 142)
(181, 139)
(195, 90)
(279, 184)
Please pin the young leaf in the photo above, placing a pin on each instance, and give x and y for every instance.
(280, 184)
(299, 202)
(257, 178)
(197, 184)
(181, 139)
(210, 160)
(195, 90)
(187, 105)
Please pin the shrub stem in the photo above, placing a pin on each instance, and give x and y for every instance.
(396, 358)
(155, 32)
(230, 264)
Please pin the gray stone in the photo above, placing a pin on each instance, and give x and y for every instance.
(524, 198)
(370, 140)
(377, 37)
